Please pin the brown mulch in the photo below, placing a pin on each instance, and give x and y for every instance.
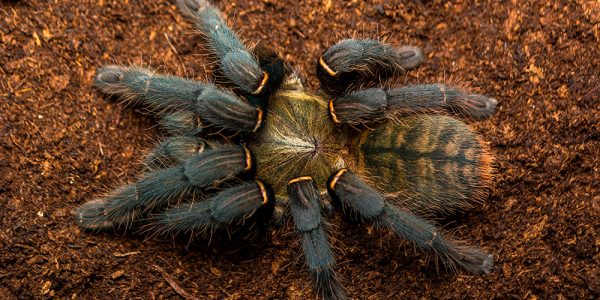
(62, 143)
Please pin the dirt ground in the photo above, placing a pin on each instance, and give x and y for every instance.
(62, 143)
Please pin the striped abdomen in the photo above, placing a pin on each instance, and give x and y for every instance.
(426, 163)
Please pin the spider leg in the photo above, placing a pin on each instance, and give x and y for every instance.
(250, 74)
(306, 213)
(127, 204)
(353, 62)
(172, 151)
(228, 206)
(368, 203)
(181, 102)
(375, 104)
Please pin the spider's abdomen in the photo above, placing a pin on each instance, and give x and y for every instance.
(426, 163)
(297, 139)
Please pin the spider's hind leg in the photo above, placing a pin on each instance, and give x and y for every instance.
(353, 192)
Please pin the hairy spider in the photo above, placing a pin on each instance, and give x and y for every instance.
(390, 156)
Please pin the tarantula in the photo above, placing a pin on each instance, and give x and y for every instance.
(389, 156)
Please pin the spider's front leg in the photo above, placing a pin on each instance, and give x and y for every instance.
(156, 189)
(351, 63)
(353, 192)
(184, 105)
(306, 213)
(256, 76)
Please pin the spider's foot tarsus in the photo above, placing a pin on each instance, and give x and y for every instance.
(191, 4)
(410, 57)
(107, 77)
(479, 106)
(91, 216)
(470, 259)
(486, 263)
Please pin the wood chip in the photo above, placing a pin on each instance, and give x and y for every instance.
(174, 284)
(126, 254)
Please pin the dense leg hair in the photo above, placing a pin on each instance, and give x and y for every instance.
(173, 151)
(353, 62)
(306, 213)
(182, 123)
(126, 205)
(178, 100)
(368, 203)
(375, 104)
(230, 205)
(234, 59)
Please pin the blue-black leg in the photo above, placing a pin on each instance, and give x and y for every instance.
(127, 204)
(231, 205)
(234, 59)
(182, 123)
(306, 213)
(376, 104)
(173, 151)
(354, 193)
(354, 62)
(183, 104)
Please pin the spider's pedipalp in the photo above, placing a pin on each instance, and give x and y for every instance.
(375, 104)
(180, 102)
(306, 213)
(368, 203)
(157, 189)
(228, 206)
(352, 62)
